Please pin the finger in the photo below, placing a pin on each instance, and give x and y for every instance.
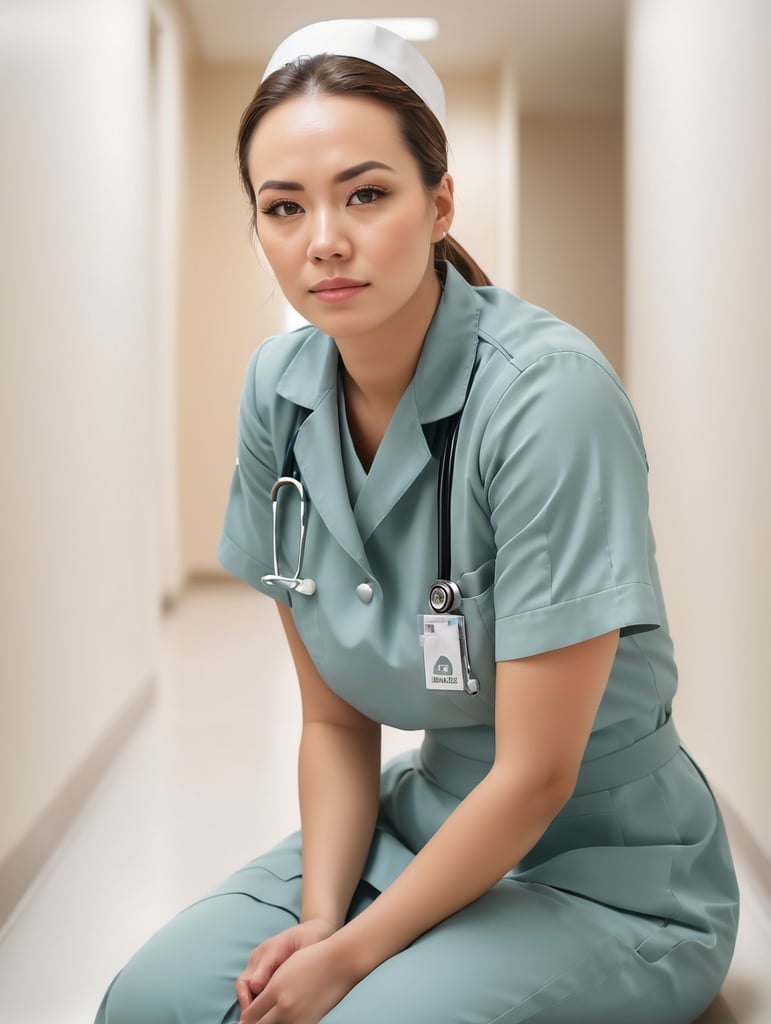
(260, 977)
(258, 1010)
(243, 992)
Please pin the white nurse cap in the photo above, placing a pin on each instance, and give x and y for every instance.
(357, 37)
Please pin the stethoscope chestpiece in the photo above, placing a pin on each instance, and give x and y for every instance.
(444, 596)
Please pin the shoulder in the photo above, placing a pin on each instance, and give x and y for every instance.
(522, 334)
(273, 356)
(538, 375)
(278, 379)
(530, 353)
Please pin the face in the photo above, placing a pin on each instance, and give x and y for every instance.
(343, 216)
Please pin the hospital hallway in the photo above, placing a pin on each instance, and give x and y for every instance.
(205, 782)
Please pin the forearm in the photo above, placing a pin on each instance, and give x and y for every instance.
(339, 777)
(545, 708)
(492, 829)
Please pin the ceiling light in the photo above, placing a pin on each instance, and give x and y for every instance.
(414, 29)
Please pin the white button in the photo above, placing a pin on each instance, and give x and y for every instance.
(364, 593)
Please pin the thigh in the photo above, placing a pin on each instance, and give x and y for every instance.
(521, 952)
(186, 973)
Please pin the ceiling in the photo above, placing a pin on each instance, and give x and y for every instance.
(568, 54)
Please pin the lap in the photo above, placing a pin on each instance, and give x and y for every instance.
(526, 952)
(522, 952)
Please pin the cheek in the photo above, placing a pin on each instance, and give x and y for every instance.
(408, 234)
(282, 253)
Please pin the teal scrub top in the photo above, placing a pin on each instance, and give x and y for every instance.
(551, 541)
(551, 545)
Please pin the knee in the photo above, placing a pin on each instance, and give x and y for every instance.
(156, 990)
(126, 1003)
(139, 993)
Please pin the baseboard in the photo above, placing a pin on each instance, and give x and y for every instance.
(26, 860)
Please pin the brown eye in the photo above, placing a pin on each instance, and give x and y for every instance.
(283, 208)
(366, 196)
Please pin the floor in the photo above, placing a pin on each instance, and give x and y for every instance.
(207, 781)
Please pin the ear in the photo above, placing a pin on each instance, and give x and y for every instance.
(443, 198)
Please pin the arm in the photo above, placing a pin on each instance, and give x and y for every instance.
(339, 779)
(545, 708)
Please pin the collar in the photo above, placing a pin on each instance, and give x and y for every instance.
(444, 367)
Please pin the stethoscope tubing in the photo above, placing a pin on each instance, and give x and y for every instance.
(444, 594)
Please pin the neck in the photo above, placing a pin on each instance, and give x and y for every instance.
(378, 367)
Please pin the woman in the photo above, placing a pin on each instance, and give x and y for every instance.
(550, 854)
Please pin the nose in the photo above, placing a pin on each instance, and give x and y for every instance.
(328, 239)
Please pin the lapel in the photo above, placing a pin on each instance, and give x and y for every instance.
(310, 381)
(437, 390)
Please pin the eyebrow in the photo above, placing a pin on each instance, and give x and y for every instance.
(351, 172)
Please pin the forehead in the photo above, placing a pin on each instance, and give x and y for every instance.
(327, 130)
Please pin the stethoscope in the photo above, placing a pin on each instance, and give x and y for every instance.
(290, 477)
(444, 596)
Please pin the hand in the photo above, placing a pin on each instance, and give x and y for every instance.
(304, 988)
(266, 958)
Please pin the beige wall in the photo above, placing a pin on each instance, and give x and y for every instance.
(229, 303)
(80, 569)
(699, 362)
(475, 161)
(571, 243)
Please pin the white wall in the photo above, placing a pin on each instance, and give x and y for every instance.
(698, 362)
(80, 569)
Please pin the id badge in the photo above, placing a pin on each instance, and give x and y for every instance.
(445, 659)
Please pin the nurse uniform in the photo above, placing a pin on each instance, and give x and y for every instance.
(626, 909)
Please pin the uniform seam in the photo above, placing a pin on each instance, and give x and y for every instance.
(570, 995)
(247, 556)
(647, 661)
(607, 540)
(523, 371)
(573, 600)
(663, 794)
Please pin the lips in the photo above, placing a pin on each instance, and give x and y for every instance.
(337, 284)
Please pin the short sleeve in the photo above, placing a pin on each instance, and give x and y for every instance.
(566, 479)
(246, 544)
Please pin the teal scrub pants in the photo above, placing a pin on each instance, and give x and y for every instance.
(541, 945)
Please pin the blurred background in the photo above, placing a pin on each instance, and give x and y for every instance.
(612, 163)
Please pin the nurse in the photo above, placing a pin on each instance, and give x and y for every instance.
(551, 853)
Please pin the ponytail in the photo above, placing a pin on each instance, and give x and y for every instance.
(451, 250)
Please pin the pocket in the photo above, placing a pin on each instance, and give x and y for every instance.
(473, 584)
(274, 877)
(661, 942)
(479, 616)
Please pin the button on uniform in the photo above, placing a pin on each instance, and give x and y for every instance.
(364, 593)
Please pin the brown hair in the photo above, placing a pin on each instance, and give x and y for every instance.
(349, 76)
